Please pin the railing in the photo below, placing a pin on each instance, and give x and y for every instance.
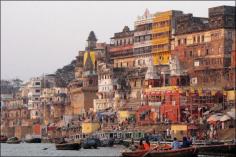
(121, 48)
(160, 29)
(140, 33)
(163, 40)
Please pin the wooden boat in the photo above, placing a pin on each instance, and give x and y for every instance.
(13, 140)
(163, 151)
(138, 153)
(68, 146)
(226, 150)
(33, 140)
(3, 139)
(183, 152)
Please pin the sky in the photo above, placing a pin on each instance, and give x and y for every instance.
(38, 37)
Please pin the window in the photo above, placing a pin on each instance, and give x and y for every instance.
(37, 83)
(191, 53)
(185, 41)
(37, 90)
(178, 42)
(198, 39)
(207, 51)
(194, 39)
(202, 38)
(90, 81)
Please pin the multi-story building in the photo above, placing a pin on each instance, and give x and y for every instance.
(142, 47)
(105, 88)
(163, 28)
(121, 50)
(206, 52)
(34, 93)
(85, 84)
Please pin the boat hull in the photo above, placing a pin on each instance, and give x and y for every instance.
(34, 140)
(13, 142)
(184, 152)
(68, 146)
(138, 153)
(226, 150)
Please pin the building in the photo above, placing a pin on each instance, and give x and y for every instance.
(85, 84)
(34, 105)
(206, 52)
(121, 50)
(105, 88)
(142, 47)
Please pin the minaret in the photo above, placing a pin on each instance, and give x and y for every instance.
(92, 41)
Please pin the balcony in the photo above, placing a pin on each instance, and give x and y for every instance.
(208, 63)
(120, 54)
(160, 29)
(159, 41)
(157, 50)
(142, 44)
(141, 33)
(121, 48)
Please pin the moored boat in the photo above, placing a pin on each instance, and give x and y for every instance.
(163, 151)
(3, 139)
(137, 153)
(33, 140)
(13, 140)
(68, 146)
(183, 152)
(223, 149)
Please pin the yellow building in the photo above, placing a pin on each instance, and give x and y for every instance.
(179, 130)
(122, 115)
(90, 127)
(162, 30)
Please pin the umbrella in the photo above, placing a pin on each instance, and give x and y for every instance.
(213, 118)
(224, 118)
(207, 112)
(231, 114)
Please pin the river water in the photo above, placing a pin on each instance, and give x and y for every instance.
(37, 149)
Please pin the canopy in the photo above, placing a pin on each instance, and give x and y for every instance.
(206, 113)
(214, 118)
(231, 114)
(224, 118)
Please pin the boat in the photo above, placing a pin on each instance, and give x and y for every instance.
(91, 143)
(3, 139)
(141, 153)
(137, 153)
(69, 146)
(163, 151)
(223, 149)
(13, 140)
(182, 152)
(33, 140)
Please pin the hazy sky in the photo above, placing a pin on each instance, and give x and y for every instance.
(39, 37)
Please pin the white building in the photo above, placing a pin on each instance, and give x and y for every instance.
(34, 93)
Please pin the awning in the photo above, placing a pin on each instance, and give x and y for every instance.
(214, 118)
(231, 114)
(225, 118)
(206, 113)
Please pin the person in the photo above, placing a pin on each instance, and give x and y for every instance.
(147, 145)
(141, 145)
(186, 143)
(175, 144)
(190, 140)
